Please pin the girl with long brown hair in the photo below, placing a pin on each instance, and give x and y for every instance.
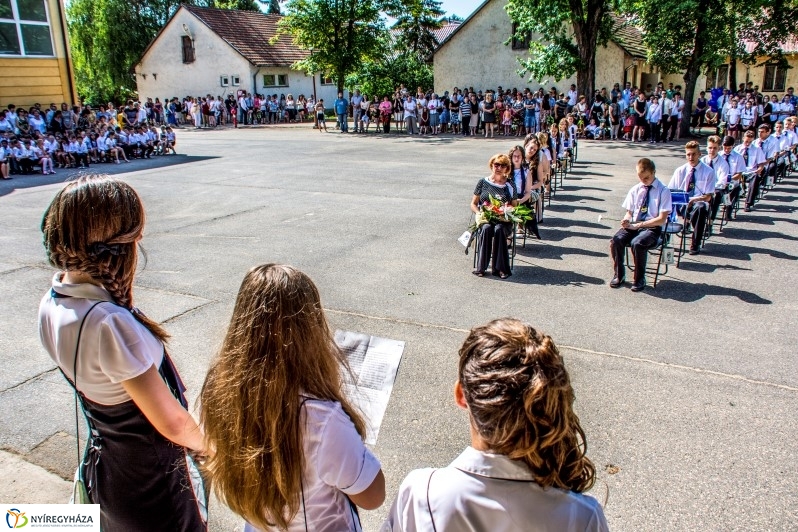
(289, 451)
(135, 465)
(526, 468)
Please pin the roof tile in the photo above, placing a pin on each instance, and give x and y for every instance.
(250, 33)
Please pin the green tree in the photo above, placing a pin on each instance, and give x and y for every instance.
(341, 35)
(571, 31)
(416, 22)
(381, 78)
(107, 38)
(695, 36)
(274, 7)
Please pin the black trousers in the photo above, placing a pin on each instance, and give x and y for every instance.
(754, 182)
(655, 127)
(670, 129)
(640, 241)
(697, 214)
(493, 243)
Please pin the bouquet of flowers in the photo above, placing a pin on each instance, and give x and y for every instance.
(495, 211)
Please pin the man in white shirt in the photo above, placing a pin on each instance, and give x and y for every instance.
(754, 167)
(714, 160)
(356, 100)
(698, 181)
(783, 147)
(770, 147)
(736, 170)
(572, 96)
(648, 205)
(410, 115)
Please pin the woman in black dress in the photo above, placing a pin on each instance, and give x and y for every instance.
(136, 465)
(493, 235)
(489, 114)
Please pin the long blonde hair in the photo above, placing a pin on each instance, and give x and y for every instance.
(520, 401)
(93, 226)
(278, 347)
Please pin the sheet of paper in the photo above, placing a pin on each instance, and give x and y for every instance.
(374, 362)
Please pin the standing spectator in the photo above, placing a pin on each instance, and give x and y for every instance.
(357, 111)
(386, 108)
(341, 106)
(410, 109)
(489, 114)
(654, 118)
(640, 109)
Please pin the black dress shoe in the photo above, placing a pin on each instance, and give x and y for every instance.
(616, 282)
(694, 252)
(639, 286)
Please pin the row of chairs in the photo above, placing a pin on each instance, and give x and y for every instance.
(664, 254)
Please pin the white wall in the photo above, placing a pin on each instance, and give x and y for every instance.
(298, 83)
(213, 59)
(477, 56)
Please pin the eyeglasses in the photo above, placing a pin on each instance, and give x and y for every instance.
(499, 165)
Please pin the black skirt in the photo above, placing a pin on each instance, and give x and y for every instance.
(140, 479)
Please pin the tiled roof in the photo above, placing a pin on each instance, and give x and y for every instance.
(790, 46)
(444, 31)
(250, 33)
(628, 37)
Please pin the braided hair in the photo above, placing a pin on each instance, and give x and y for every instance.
(93, 226)
(520, 401)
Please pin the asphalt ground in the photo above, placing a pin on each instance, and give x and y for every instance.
(687, 392)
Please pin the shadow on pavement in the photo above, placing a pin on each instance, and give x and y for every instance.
(688, 292)
(21, 182)
(535, 275)
(551, 251)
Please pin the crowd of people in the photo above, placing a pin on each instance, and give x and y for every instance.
(653, 114)
(711, 190)
(78, 136)
(278, 439)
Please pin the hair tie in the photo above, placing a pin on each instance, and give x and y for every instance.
(98, 248)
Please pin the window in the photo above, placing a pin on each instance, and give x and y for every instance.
(275, 80)
(25, 28)
(236, 81)
(718, 77)
(775, 78)
(520, 42)
(188, 48)
(224, 81)
(326, 80)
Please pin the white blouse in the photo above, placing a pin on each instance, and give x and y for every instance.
(481, 491)
(114, 347)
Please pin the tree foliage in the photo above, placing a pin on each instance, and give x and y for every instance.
(416, 22)
(695, 36)
(341, 35)
(273, 6)
(381, 78)
(570, 32)
(108, 37)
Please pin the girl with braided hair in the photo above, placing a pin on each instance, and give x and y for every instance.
(526, 469)
(136, 464)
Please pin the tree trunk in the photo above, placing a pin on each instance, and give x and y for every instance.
(586, 29)
(732, 81)
(694, 66)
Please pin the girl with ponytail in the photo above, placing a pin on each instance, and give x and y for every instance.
(526, 468)
(136, 465)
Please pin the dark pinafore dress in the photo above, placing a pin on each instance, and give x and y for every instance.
(141, 480)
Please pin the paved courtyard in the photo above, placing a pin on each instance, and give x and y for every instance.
(688, 392)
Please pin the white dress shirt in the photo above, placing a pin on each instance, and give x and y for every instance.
(755, 156)
(721, 168)
(481, 492)
(769, 146)
(704, 179)
(659, 201)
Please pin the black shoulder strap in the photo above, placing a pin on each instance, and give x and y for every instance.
(429, 506)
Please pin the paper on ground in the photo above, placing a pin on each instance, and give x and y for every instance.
(374, 362)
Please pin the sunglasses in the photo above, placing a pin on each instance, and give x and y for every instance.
(499, 165)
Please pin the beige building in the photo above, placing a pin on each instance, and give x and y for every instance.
(203, 51)
(35, 65)
(475, 55)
